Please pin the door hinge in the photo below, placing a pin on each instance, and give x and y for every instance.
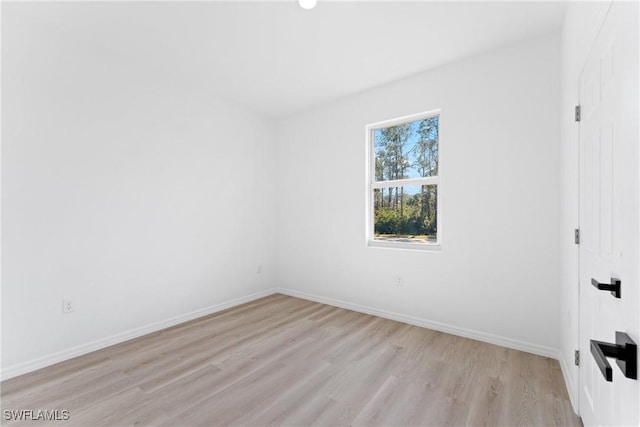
(578, 113)
(577, 357)
(576, 236)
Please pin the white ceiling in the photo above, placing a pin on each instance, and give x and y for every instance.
(277, 58)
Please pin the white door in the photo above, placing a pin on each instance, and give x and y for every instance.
(609, 214)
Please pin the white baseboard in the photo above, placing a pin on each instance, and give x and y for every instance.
(60, 356)
(568, 380)
(430, 324)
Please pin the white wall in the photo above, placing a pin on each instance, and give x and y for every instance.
(498, 273)
(111, 197)
(136, 200)
(582, 21)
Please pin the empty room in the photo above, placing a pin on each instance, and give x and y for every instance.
(320, 213)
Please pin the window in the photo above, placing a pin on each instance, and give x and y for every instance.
(403, 182)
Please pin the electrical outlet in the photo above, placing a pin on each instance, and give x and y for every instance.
(67, 306)
(399, 282)
(259, 269)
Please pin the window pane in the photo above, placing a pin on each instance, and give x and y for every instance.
(408, 150)
(406, 214)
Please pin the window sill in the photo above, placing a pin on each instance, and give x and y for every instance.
(420, 247)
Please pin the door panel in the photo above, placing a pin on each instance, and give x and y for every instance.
(609, 214)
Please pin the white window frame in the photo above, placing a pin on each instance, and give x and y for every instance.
(372, 184)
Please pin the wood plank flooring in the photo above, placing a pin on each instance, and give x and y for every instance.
(287, 361)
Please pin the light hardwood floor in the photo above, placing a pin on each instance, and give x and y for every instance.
(286, 361)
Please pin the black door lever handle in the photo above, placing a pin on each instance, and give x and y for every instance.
(625, 350)
(614, 287)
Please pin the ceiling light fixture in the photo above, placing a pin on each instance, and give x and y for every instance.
(307, 4)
